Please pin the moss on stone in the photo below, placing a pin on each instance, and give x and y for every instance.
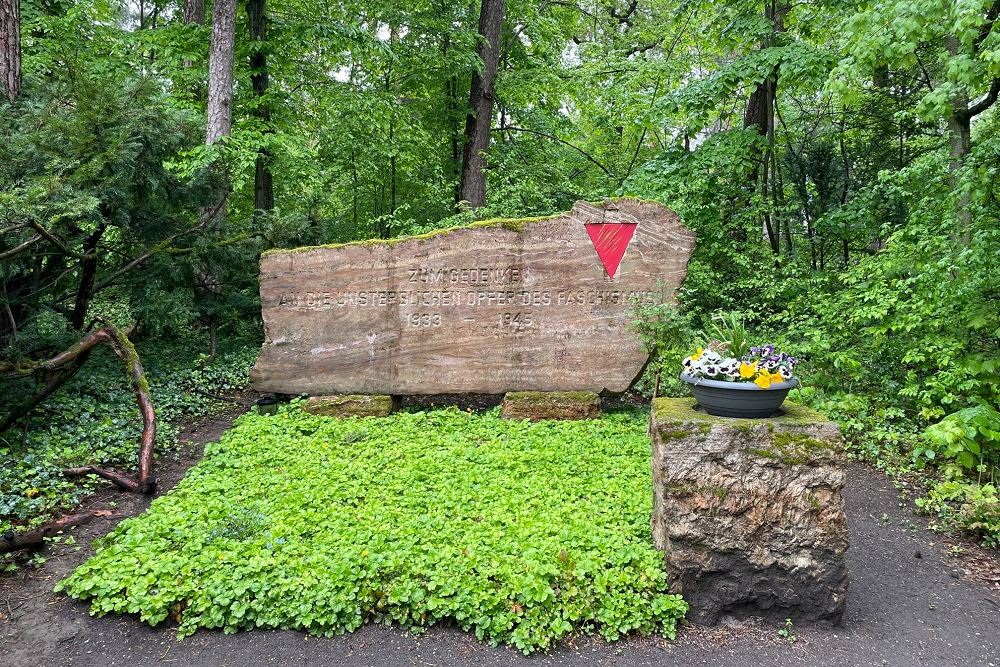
(682, 489)
(553, 397)
(792, 448)
(678, 434)
(789, 439)
(679, 489)
(513, 224)
(813, 501)
(675, 411)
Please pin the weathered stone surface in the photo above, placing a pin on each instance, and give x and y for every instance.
(536, 405)
(351, 405)
(749, 512)
(498, 306)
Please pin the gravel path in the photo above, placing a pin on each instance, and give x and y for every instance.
(912, 602)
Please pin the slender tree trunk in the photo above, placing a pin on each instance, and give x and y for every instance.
(220, 71)
(960, 120)
(88, 275)
(480, 118)
(354, 187)
(10, 47)
(760, 116)
(452, 119)
(845, 191)
(960, 145)
(219, 124)
(263, 182)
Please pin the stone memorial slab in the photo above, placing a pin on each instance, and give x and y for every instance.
(541, 304)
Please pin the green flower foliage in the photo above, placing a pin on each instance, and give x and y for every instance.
(521, 532)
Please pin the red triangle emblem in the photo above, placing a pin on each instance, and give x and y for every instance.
(610, 240)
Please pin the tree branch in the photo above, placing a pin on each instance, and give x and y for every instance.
(983, 104)
(206, 217)
(561, 141)
(9, 541)
(991, 18)
(118, 341)
(54, 240)
(7, 254)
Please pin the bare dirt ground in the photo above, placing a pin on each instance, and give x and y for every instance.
(916, 598)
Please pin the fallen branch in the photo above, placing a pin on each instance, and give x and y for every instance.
(10, 541)
(119, 342)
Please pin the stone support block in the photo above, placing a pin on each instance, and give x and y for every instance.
(536, 405)
(749, 512)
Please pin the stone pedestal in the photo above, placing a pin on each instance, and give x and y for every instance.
(351, 405)
(536, 405)
(749, 512)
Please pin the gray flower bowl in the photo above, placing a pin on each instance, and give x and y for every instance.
(739, 399)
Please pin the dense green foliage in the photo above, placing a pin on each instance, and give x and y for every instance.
(522, 532)
(838, 162)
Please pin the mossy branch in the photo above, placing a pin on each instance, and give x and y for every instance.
(119, 342)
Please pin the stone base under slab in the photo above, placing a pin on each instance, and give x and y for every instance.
(351, 405)
(536, 405)
(749, 512)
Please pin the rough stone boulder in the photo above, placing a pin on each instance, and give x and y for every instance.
(749, 512)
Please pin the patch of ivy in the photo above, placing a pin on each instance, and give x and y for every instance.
(520, 532)
(94, 419)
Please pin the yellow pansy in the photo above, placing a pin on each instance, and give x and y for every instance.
(697, 354)
(763, 380)
(747, 370)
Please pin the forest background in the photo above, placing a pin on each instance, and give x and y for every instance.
(838, 161)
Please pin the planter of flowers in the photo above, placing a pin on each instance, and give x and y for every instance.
(753, 385)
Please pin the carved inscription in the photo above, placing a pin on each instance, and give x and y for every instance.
(332, 300)
(478, 309)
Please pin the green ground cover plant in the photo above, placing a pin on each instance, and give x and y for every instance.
(520, 532)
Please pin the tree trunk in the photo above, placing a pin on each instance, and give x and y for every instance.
(960, 145)
(194, 12)
(453, 118)
(477, 123)
(263, 183)
(220, 71)
(10, 47)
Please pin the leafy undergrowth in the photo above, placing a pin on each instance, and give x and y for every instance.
(521, 532)
(94, 419)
